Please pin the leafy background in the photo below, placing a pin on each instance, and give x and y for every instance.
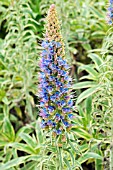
(88, 42)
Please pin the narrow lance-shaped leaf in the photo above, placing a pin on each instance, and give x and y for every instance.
(14, 162)
(87, 93)
(89, 155)
(85, 84)
(96, 59)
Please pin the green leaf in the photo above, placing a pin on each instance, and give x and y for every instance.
(1, 117)
(25, 129)
(73, 50)
(98, 34)
(96, 12)
(81, 132)
(85, 84)
(99, 162)
(8, 129)
(89, 69)
(96, 59)
(87, 93)
(28, 139)
(14, 162)
(86, 46)
(89, 155)
(39, 134)
(8, 155)
(72, 156)
(89, 77)
(88, 107)
(3, 143)
(67, 163)
(24, 147)
(30, 166)
(29, 109)
(84, 147)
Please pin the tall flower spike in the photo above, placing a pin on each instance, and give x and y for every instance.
(54, 89)
(110, 13)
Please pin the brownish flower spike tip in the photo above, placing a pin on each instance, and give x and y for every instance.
(53, 29)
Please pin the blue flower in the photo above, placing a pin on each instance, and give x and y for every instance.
(49, 89)
(57, 94)
(58, 132)
(54, 124)
(66, 124)
(58, 103)
(51, 108)
(49, 122)
(53, 89)
(70, 116)
(44, 44)
(111, 1)
(58, 83)
(58, 116)
(42, 75)
(44, 53)
(42, 103)
(62, 103)
(70, 103)
(58, 45)
(43, 124)
(53, 97)
(65, 110)
(51, 78)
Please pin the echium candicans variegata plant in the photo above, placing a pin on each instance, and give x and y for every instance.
(54, 89)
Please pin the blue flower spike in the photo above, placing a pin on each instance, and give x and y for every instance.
(55, 82)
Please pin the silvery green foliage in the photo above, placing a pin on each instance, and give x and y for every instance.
(19, 56)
